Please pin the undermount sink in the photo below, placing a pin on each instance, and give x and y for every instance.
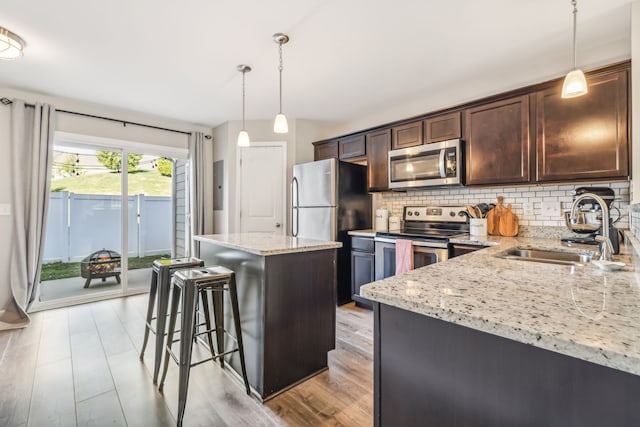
(547, 255)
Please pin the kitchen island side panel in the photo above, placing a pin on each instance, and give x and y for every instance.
(300, 316)
(249, 270)
(432, 372)
(287, 309)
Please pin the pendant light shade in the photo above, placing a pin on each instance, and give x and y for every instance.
(575, 84)
(243, 139)
(11, 46)
(243, 136)
(280, 123)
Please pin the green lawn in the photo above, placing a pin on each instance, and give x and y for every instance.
(148, 182)
(63, 270)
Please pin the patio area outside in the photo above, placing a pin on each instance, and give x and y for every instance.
(84, 234)
(71, 287)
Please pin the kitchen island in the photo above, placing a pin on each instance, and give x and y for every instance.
(287, 300)
(485, 341)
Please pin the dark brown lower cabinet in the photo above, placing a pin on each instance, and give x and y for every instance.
(363, 261)
(584, 137)
(428, 372)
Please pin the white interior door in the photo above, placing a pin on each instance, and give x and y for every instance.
(262, 188)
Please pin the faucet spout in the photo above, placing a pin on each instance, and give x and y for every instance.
(606, 251)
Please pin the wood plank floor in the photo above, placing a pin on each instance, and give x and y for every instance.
(79, 366)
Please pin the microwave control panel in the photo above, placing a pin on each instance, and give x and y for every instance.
(450, 162)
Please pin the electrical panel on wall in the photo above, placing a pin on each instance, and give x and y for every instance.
(218, 181)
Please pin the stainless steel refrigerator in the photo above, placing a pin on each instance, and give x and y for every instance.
(330, 198)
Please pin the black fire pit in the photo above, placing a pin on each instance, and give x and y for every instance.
(100, 265)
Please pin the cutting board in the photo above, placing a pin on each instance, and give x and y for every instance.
(508, 224)
(493, 218)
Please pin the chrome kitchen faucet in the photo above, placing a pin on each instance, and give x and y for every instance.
(606, 248)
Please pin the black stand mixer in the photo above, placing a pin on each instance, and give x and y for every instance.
(589, 219)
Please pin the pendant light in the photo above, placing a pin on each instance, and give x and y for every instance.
(243, 136)
(575, 84)
(11, 45)
(280, 123)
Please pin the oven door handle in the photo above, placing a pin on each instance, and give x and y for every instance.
(384, 240)
(418, 243)
(438, 245)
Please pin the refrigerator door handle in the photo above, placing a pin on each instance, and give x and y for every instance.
(295, 209)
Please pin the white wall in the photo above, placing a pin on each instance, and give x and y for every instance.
(221, 147)
(302, 133)
(635, 99)
(86, 126)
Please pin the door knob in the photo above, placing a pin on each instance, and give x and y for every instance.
(278, 225)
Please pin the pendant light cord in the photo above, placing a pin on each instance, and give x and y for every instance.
(243, 73)
(575, 14)
(280, 70)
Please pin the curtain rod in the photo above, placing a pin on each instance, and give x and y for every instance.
(7, 101)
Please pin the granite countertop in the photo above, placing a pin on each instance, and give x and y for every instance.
(583, 312)
(265, 244)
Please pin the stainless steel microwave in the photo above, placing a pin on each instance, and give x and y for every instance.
(428, 165)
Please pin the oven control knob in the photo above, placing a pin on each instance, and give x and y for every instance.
(452, 214)
(462, 213)
(409, 213)
(416, 213)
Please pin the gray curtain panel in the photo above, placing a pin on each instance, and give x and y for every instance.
(197, 196)
(31, 146)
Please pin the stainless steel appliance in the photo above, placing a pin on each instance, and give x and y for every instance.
(588, 217)
(329, 198)
(436, 164)
(429, 228)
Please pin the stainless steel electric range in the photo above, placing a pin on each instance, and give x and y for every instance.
(429, 228)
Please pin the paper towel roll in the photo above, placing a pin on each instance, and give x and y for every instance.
(382, 219)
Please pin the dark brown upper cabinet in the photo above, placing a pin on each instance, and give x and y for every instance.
(325, 150)
(497, 142)
(442, 128)
(408, 135)
(351, 147)
(378, 145)
(584, 137)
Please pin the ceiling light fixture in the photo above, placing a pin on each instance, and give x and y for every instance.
(280, 123)
(243, 136)
(11, 45)
(575, 84)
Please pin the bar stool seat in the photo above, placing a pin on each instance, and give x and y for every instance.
(162, 271)
(187, 286)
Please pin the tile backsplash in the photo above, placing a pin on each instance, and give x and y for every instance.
(530, 197)
(634, 215)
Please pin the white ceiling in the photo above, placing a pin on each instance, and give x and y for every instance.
(347, 61)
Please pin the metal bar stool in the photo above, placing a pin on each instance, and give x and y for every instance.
(162, 271)
(187, 285)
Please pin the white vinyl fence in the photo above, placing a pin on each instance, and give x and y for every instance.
(80, 224)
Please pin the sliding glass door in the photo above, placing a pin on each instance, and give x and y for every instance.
(83, 240)
(150, 216)
(111, 213)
